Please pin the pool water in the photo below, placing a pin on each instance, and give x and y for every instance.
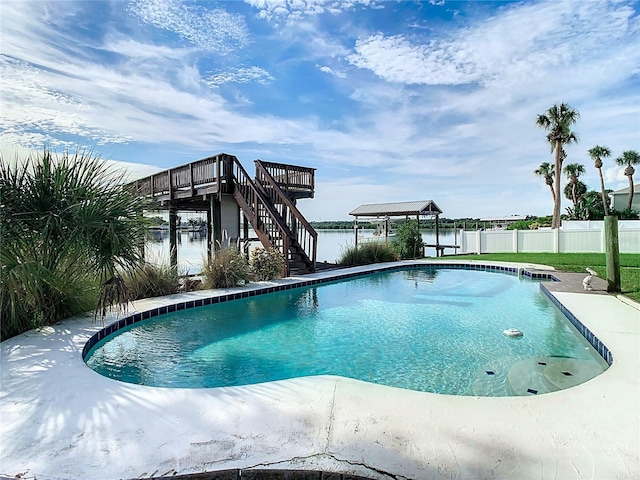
(429, 329)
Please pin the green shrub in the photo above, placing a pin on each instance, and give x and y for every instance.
(408, 242)
(151, 281)
(368, 253)
(266, 264)
(626, 214)
(228, 269)
(68, 230)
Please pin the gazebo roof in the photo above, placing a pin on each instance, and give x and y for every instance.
(397, 209)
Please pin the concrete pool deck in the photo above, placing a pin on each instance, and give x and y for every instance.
(61, 420)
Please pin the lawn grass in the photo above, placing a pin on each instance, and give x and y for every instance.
(576, 262)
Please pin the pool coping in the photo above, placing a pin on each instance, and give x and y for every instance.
(54, 410)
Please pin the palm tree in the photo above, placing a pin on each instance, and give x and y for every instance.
(546, 171)
(597, 153)
(629, 158)
(573, 172)
(558, 120)
(580, 190)
(69, 231)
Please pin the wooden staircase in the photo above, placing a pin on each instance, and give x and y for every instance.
(272, 213)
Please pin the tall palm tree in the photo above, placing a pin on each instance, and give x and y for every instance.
(557, 120)
(597, 153)
(546, 171)
(629, 158)
(573, 172)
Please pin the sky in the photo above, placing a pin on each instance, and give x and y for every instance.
(388, 100)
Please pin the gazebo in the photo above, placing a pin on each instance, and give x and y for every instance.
(385, 211)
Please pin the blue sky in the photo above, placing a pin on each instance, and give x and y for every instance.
(390, 101)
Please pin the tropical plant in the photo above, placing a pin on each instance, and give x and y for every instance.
(579, 188)
(597, 153)
(229, 268)
(408, 242)
(368, 253)
(69, 230)
(266, 264)
(557, 120)
(629, 158)
(589, 207)
(573, 172)
(546, 170)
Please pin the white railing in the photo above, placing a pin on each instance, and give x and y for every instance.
(551, 241)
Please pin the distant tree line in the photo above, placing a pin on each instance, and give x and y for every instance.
(430, 224)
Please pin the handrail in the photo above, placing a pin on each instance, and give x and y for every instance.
(270, 228)
(304, 234)
(290, 177)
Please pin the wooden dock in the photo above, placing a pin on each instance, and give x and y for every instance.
(440, 248)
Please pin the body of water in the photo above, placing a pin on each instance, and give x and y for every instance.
(192, 246)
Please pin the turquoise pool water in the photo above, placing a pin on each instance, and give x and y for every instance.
(429, 329)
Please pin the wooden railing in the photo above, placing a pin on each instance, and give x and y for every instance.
(303, 233)
(291, 177)
(203, 172)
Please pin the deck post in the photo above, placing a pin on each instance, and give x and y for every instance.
(210, 249)
(173, 236)
(215, 225)
(245, 231)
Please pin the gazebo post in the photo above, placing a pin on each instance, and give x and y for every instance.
(355, 229)
(437, 236)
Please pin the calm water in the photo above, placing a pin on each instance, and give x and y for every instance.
(192, 247)
(428, 329)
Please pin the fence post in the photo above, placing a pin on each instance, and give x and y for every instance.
(556, 240)
(612, 253)
(515, 241)
(478, 242)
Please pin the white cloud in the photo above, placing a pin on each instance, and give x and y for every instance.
(331, 71)
(239, 75)
(519, 42)
(214, 31)
(295, 9)
(139, 50)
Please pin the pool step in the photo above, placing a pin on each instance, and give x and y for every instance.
(538, 375)
(533, 376)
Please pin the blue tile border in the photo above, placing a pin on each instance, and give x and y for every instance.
(595, 342)
(136, 317)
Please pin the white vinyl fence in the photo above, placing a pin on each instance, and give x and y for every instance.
(552, 241)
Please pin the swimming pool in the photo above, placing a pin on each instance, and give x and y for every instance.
(429, 329)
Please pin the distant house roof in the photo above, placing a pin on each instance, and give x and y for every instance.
(510, 218)
(397, 209)
(625, 190)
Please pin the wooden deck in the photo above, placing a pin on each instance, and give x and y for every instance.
(267, 202)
